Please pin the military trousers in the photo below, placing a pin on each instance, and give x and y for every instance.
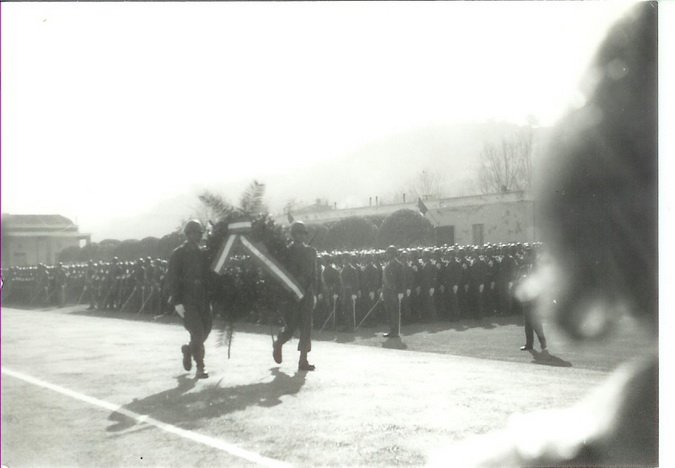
(298, 316)
(198, 322)
(392, 307)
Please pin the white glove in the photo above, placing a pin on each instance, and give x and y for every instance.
(407, 292)
(353, 297)
(371, 294)
(400, 296)
(320, 296)
(492, 284)
(180, 310)
(510, 285)
(335, 296)
(431, 291)
(442, 288)
(481, 287)
(314, 301)
(455, 288)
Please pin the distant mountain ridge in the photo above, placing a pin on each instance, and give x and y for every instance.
(382, 168)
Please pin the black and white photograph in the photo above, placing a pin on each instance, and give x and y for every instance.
(343, 234)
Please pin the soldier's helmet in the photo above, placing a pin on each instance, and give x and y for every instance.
(391, 250)
(194, 225)
(298, 227)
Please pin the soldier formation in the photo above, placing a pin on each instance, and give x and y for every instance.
(115, 285)
(438, 283)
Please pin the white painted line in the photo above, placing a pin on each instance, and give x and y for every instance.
(145, 419)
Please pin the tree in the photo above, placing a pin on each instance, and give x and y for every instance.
(426, 184)
(404, 228)
(353, 232)
(508, 166)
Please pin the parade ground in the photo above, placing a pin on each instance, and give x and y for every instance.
(88, 388)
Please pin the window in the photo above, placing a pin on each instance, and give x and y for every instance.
(478, 234)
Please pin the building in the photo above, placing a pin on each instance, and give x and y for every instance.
(33, 239)
(475, 219)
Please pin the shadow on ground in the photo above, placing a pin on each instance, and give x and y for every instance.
(547, 359)
(177, 406)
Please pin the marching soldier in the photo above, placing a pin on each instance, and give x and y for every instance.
(302, 264)
(189, 294)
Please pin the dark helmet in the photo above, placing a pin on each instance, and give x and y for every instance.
(194, 225)
(298, 227)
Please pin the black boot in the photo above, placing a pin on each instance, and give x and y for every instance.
(187, 357)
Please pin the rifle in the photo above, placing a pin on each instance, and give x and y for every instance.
(331, 315)
(152, 292)
(132, 294)
(379, 300)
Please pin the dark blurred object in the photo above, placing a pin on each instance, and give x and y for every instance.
(599, 218)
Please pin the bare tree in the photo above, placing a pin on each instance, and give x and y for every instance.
(507, 166)
(426, 184)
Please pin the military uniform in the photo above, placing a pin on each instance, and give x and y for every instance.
(392, 293)
(187, 279)
(301, 263)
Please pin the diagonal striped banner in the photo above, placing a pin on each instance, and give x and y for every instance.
(271, 265)
(262, 257)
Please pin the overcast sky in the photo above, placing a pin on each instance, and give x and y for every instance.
(110, 108)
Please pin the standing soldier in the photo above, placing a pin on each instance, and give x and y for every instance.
(301, 263)
(408, 285)
(371, 284)
(60, 280)
(187, 279)
(427, 286)
(42, 285)
(349, 277)
(392, 291)
(333, 287)
(89, 287)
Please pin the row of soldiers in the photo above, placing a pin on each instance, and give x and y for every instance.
(442, 283)
(115, 285)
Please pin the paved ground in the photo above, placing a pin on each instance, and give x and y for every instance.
(82, 389)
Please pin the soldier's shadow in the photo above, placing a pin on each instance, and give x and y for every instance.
(547, 359)
(177, 406)
(394, 343)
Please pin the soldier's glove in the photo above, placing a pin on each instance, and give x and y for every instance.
(180, 310)
(442, 289)
(481, 287)
(492, 285)
(407, 292)
(417, 290)
(359, 294)
(400, 296)
(455, 288)
(314, 301)
(353, 297)
(510, 285)
(371, 294)
(320, 296)
(381, 296)
(335, 297)
(431, 291)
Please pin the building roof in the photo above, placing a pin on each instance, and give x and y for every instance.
(43, 222)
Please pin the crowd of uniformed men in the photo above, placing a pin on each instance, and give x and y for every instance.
(438, 283)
